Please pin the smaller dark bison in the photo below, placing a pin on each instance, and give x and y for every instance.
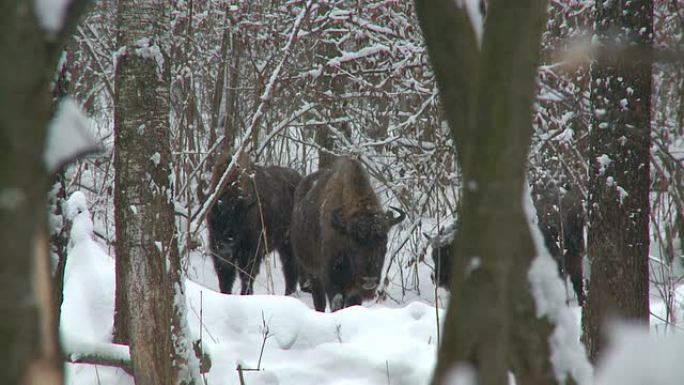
(250, 219)
(441, 252)
(339, 234)
(561, 223)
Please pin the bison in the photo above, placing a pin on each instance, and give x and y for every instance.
(561, 223)
(251, 218)
(339, 234)
(441, 252)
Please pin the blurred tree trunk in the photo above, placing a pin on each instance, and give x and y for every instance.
(620, 172)
(149, 305)
(30, 348)
(491, 324)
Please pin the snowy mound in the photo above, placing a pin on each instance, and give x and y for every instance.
(301, 346)
(637, 356)
(88, 306)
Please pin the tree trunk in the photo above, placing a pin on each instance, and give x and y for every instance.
(620, 172)
(23, 184)
(224, 103)
(332, 106)
(149, 288)
(325, 141)
(30, 346)
(491, 324)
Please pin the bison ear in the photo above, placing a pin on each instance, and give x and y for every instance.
(337, 221)
(391, 219)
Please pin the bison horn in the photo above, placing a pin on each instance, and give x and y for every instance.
(394, 220)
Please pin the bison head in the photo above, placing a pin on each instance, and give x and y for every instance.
(366, 228)
(226, 216)
(367, 250)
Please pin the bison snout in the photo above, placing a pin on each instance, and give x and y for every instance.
(369, 283)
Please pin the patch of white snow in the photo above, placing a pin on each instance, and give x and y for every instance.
(51, 13)
(637, 357)
(88, 306)
(603, 162)
(475, 16)
(68, 135)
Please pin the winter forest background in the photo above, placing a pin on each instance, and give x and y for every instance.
(296, 84)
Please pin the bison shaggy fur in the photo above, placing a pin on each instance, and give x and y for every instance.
(561, 222)
(340, 234)
(250, 219)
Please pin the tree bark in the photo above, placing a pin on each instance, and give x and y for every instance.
(491, 324)
(28, 333)
(149, 288)
(332, 108)
(620, 172)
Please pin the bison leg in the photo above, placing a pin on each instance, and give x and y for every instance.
(290, 269)
(573, 265)
(304, 281)
(318, 294)
(225, 272)
(354, 299)
(336, 296)
(337, 302)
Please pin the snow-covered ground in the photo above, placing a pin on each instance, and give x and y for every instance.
(384, 342)
(300, 346)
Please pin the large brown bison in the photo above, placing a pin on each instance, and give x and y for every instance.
(561, 222)
(339, 234)
(250, 219)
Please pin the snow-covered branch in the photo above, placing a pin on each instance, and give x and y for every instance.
(256, 119)
(99, 354)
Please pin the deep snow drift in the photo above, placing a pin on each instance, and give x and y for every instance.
(356, 345)
(389, 342)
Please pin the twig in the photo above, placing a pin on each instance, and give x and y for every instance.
(91, 50)
(387, 368)
(256, 119)
(282, 125)
(270, 286)
(103, 358)
(204, 374)
(265, 332)
(240, 375)
(437, 307)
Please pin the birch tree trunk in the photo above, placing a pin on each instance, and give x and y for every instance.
(491, 326)
(150, 305)
(619, 181)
